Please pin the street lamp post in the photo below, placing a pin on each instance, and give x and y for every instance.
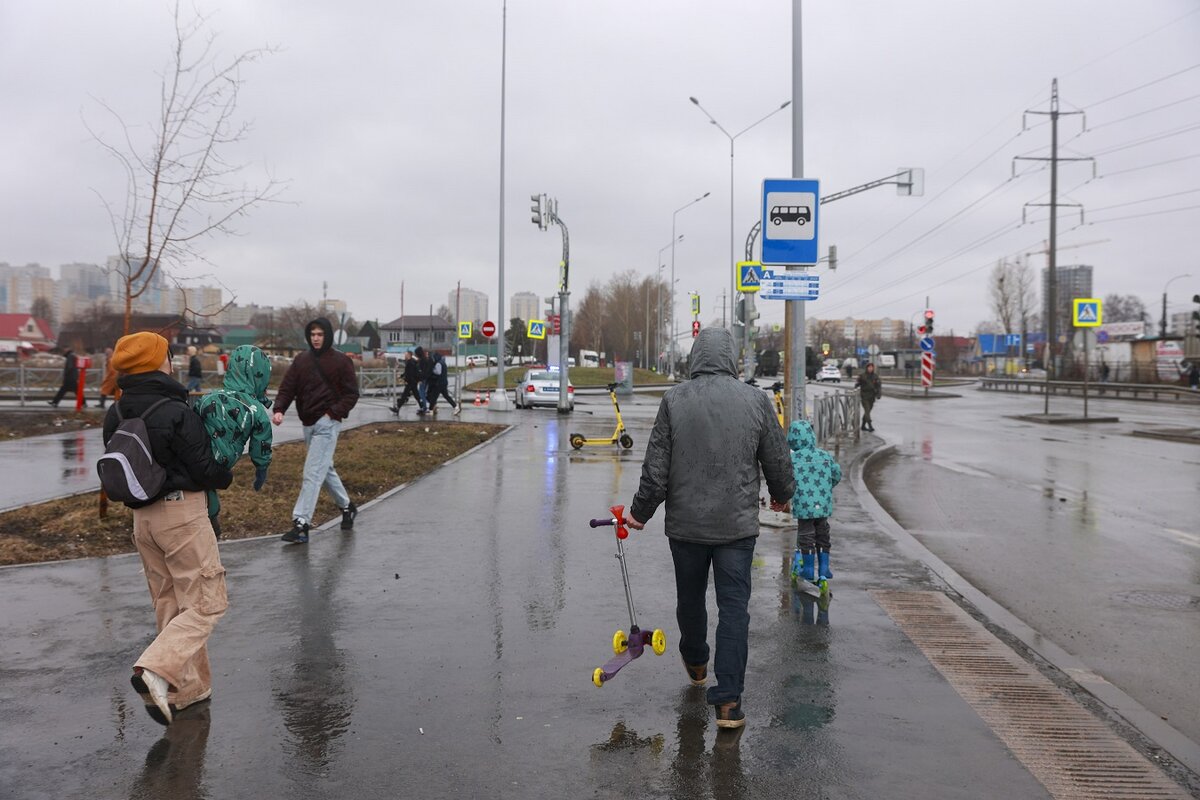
(1162, 330)
(658, 280)
(732, 260)
(671, 330)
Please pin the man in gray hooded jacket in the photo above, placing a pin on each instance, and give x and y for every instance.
(711, 435)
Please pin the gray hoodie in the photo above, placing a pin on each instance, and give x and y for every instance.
(710, 437)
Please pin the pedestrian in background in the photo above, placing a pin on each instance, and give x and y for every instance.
(236, 415)
(1193, 376)
(710, 438)
(870, 389)
(816, 472)
(324, 385)
(195, 370)
(412, 383)
(171, 530)
(439, 384)
(70, 378)
(108, 386)
(424, 374)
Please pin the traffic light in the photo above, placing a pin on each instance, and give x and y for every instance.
(1196, 316)
(695, 328)
(927, 328)
(832, 257)
(751, 315)
(536, 208)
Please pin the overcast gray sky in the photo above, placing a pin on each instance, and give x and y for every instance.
(385, 118)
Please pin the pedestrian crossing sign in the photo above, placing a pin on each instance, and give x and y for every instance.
(749, 276)
(536, 329)
(1087, 312)
(464, 330)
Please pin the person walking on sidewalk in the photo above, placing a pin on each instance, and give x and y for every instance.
(870, 389)
(195, 370)
(412, 383)
(322, 382)
(711, 436)
(235, 416)
(439, 384)
(816, 472)
(171, 530)
(70, 378)
(424, 376)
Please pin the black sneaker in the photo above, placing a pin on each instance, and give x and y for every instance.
(729, 715)
(348, 515)
(697, 673)
(298, 534)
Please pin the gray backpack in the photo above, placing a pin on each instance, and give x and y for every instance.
(128, 471)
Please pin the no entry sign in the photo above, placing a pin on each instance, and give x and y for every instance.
(488, 329)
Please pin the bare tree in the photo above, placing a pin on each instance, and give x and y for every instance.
(179, 186)
(42, 308)
(291, 321)
(1124, 308)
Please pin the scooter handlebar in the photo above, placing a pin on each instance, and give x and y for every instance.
(600, 523)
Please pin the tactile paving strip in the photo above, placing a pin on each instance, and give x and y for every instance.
(1073, 754)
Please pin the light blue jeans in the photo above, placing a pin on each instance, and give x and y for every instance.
(321, 440)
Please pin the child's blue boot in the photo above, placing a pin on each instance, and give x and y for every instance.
(808, 566)
(796, 565)
(823, 565)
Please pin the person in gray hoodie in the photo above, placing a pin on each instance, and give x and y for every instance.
(710, 438)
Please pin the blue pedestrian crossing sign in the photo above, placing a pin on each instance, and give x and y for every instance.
(536, 329)
(464, 330)
(749, 276)
(1087, 312)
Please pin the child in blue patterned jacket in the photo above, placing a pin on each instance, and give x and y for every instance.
(816, 472)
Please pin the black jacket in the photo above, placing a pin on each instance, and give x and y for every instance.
(195, 370)
(70, 375)
(177, 437)
(335, 394)
(412, 372)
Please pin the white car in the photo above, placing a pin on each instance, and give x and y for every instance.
(539, 387)
(829, 373)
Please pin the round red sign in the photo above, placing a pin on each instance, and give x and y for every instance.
(488, 328)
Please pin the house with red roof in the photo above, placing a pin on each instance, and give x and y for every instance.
(24, 334)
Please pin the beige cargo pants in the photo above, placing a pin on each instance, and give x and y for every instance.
(187, 587)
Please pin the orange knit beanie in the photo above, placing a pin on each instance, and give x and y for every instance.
(139, 352)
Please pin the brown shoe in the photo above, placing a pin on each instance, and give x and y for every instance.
(697, 673)
(729, 715)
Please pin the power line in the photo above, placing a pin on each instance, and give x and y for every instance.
(1141, 113)
(1148, 199)
(1148, 166)
(1155, 137)
(1143, 86)
(1147, 214)
(1132, 42)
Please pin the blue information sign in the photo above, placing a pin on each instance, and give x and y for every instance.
(789, 221)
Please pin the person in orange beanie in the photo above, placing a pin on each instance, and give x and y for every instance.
(171, 529)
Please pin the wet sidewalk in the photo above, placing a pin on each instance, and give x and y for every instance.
(444, 649)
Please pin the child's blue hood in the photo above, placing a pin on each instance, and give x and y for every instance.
(800, 436)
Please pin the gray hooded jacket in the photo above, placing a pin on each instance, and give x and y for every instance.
(703, 458)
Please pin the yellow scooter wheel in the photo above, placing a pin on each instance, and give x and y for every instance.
(598, 677)
(658, 641)
(620, 642)
(577, 440)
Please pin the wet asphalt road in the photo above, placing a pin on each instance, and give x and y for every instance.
(445, 649)
(1086, 533)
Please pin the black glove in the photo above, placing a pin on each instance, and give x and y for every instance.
(260, 477)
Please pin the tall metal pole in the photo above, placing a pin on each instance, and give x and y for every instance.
(794, 309)
(671, 329)
(500, 401)
(1052, 292)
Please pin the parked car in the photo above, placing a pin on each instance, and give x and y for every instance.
(476, 360)
(829, 372)
(540, 388)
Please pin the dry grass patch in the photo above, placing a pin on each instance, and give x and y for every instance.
(370, 460)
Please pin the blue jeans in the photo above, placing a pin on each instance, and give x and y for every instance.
(731, 577)
(422, 390)
(321, 439)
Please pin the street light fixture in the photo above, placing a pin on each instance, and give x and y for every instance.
(1162, 330)
(732, 137)
(671, 330)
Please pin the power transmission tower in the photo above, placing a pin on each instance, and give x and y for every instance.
(1052, 277)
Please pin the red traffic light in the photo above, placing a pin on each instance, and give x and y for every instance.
(921, 330)
(695, 328)
(928, 313)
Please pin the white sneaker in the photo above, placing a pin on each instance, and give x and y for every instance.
(155, 688)
(458, 409)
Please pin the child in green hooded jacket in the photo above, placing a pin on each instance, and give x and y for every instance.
(816, 472)
(238, 414)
